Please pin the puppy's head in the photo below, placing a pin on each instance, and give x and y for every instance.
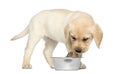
(79, 34)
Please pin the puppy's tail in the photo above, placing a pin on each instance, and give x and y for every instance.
(23, 33)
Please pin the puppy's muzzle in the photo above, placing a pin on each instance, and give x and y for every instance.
(78, 50)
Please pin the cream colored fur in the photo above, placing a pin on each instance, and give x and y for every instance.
(60, 25)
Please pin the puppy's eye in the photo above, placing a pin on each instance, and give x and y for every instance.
(85, 39)
(73, 38)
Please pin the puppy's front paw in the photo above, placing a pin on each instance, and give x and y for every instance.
(82, 66)
(27, 66)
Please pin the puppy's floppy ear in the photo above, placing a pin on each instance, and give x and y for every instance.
(97, 35)
(67, 37)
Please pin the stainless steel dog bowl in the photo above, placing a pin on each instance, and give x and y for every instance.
(66, 63)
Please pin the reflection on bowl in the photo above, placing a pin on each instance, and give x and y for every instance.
(66, 63)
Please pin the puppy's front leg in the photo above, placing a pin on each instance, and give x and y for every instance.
(48, 50)
(82, 66)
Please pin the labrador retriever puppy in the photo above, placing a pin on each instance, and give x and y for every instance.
(73, 28)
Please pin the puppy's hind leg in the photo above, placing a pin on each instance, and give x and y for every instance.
(32, 41)
(48, 50)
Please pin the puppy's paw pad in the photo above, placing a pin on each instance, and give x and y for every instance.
(29, 66)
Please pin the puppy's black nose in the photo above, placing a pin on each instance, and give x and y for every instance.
(78, 50)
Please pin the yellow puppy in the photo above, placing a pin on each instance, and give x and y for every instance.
(73, 28)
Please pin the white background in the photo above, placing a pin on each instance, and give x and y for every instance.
(15, 15)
